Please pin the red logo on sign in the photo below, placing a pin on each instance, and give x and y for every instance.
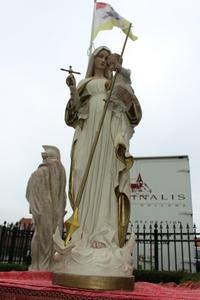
(140, 185)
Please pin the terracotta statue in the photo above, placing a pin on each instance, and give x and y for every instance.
(47, 199)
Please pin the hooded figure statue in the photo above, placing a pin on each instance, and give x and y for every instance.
(47, 199)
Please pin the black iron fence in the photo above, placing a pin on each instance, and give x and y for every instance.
(158, 246)
(15, 243)
(167, 247)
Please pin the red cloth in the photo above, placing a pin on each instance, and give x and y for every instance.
(38, 286)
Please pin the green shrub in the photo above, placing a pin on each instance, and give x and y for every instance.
(195, 277)
(12, 267)
(165, 276)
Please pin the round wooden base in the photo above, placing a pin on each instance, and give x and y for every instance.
(94, 282)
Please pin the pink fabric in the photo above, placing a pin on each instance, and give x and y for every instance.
(38, 286)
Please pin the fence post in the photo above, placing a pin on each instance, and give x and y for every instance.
(196, 251)
(182, 251)
(168, 247)
(150, 240)
(12, 244)
(2, 240)
(189, 245)
(156, 246)
(138, 245)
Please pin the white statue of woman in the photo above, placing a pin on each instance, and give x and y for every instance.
(104, 208)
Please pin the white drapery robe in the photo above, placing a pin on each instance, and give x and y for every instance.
(98, 213)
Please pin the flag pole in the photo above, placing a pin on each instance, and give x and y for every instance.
(127, 35)
(91, 39)
(72, 223)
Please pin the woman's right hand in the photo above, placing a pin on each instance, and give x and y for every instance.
(71, 81)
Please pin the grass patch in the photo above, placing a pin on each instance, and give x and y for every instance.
(194, 277)
(12, 267)
(165, 276)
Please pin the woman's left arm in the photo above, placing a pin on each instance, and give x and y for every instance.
(134, 111)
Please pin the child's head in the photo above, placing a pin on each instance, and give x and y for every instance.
(114, 61)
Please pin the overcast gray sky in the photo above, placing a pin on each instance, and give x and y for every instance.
(39, 37)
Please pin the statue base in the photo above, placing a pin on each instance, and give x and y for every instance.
(79, 265)
(94, 282)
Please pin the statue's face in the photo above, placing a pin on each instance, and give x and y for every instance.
(113, 60)
(44, 155)
(101, 60)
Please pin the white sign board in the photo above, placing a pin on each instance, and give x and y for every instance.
(161, 190)
(161, 193)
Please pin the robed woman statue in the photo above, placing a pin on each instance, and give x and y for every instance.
(104, 208)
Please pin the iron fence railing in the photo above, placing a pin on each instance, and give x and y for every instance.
(167, 248)
(158, 246)
(15, 243)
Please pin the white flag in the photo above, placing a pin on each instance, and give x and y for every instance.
(105, 18)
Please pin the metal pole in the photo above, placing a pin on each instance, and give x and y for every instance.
(156, 246)
(91, 36)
